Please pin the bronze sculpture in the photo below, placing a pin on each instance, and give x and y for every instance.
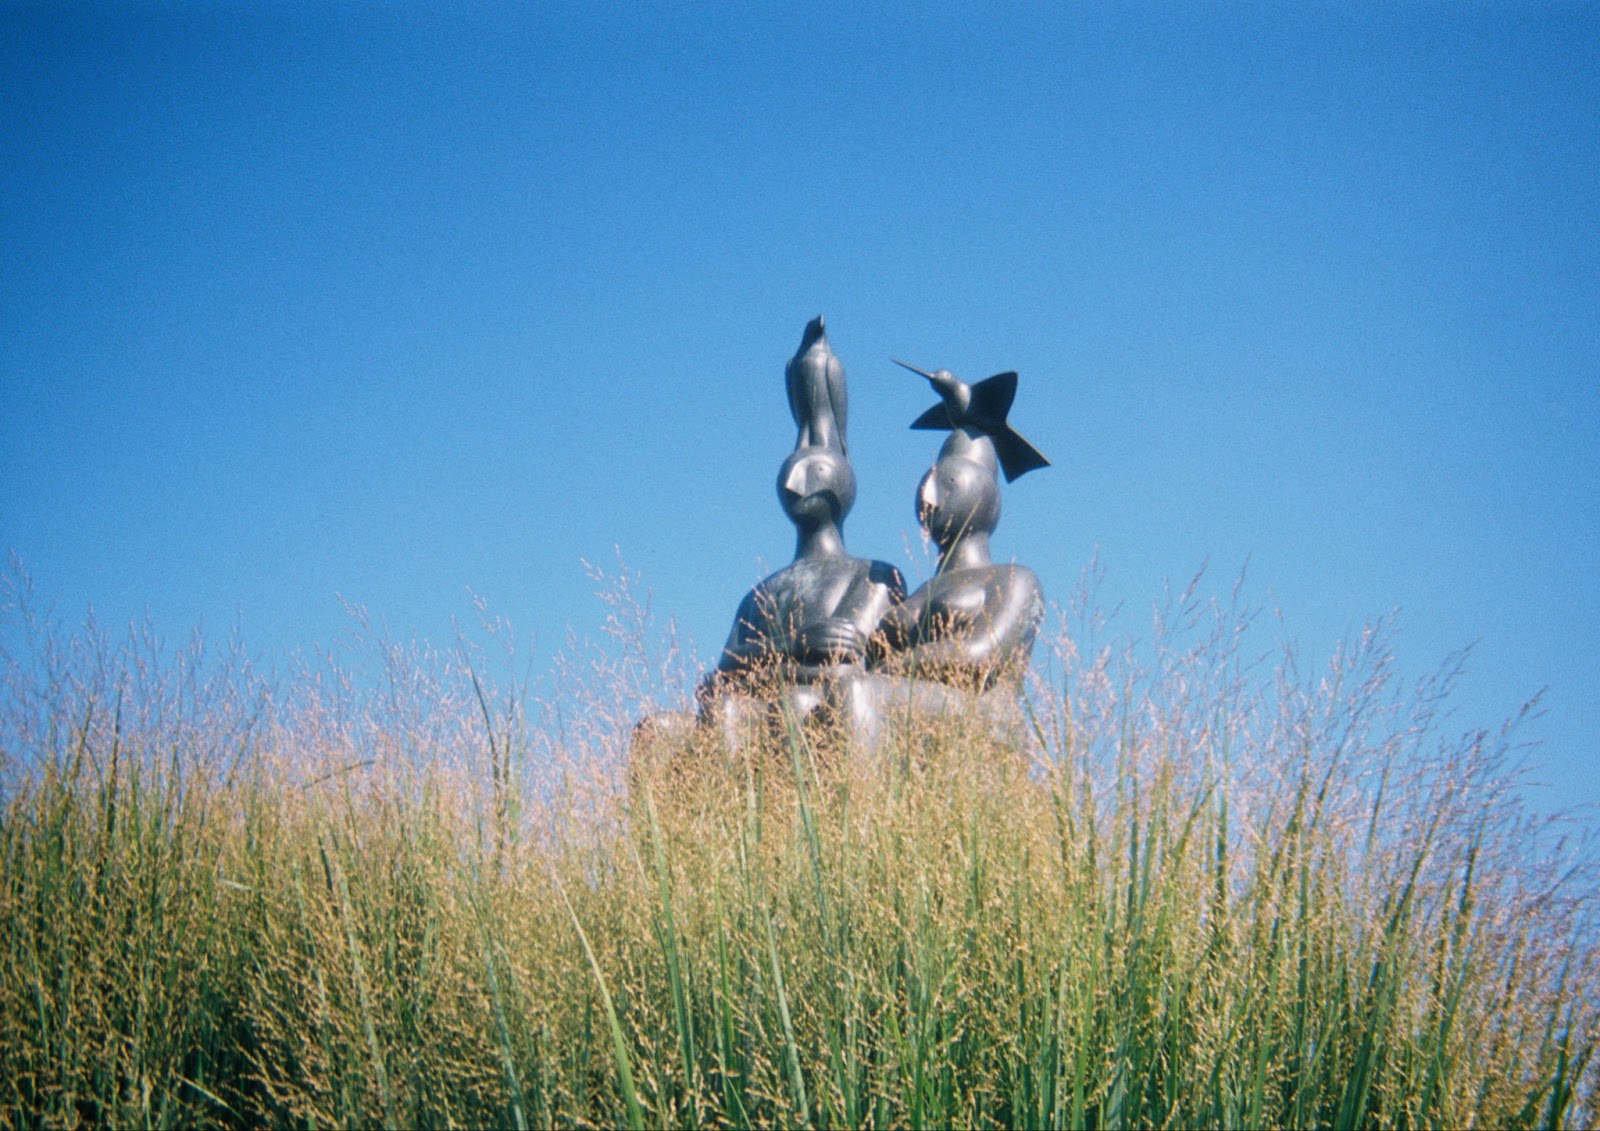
(972, 625)
(809, 623)
(835, 637)
(982, 409)
(961, 643)
(814, 379)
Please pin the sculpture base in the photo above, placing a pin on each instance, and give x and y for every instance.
(848, 713)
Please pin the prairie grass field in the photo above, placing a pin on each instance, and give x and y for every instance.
(1207, 887)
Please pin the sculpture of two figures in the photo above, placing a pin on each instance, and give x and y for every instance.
(837, 638)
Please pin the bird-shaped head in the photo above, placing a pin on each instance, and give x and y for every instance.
(816, 485)
(815, 329)
(954, 392)
(818, 401)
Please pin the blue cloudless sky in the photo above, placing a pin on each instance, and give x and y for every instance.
(392, 302)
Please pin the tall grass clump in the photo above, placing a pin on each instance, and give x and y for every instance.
(1203, 889)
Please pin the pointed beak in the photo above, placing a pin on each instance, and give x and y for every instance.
(913, 368)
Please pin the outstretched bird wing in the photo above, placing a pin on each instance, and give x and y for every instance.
(991, 400)
(1017, 456)
(987, 407)
(936, 419)
(991, 403)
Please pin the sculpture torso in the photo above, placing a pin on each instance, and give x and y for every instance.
(972, 628)
(812, 620)
(973, 624)
(812, 613)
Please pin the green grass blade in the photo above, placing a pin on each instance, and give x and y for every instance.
(667, 934)
(791, 1054)
(619, 1044)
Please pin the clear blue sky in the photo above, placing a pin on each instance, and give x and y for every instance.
(394, 302)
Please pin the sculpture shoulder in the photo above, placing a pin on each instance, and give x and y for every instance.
(882, 573)
(1022, 590)
(762, 600)
(782, 578)
(1016, 580)
(749, 612)
(851, 570)
(1019, 578)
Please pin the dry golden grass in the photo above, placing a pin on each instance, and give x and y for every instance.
(1206, 891)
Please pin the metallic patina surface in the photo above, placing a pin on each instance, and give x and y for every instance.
(836, 637)
(980, 409)
(809, 624)
(963, 640)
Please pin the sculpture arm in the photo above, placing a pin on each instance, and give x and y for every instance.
(871, 597)
(752, 643)
(846, 634)
(997, 646)
(813, 652)
(747, 644)
(898, 626)
(829, 641)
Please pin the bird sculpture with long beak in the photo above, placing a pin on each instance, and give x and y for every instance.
(982, 408)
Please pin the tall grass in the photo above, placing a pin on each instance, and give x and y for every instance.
(1209, 891)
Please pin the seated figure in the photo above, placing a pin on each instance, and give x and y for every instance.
(963, 640)
(810, 622)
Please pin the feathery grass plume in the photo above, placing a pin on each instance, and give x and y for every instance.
(1208, 890)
